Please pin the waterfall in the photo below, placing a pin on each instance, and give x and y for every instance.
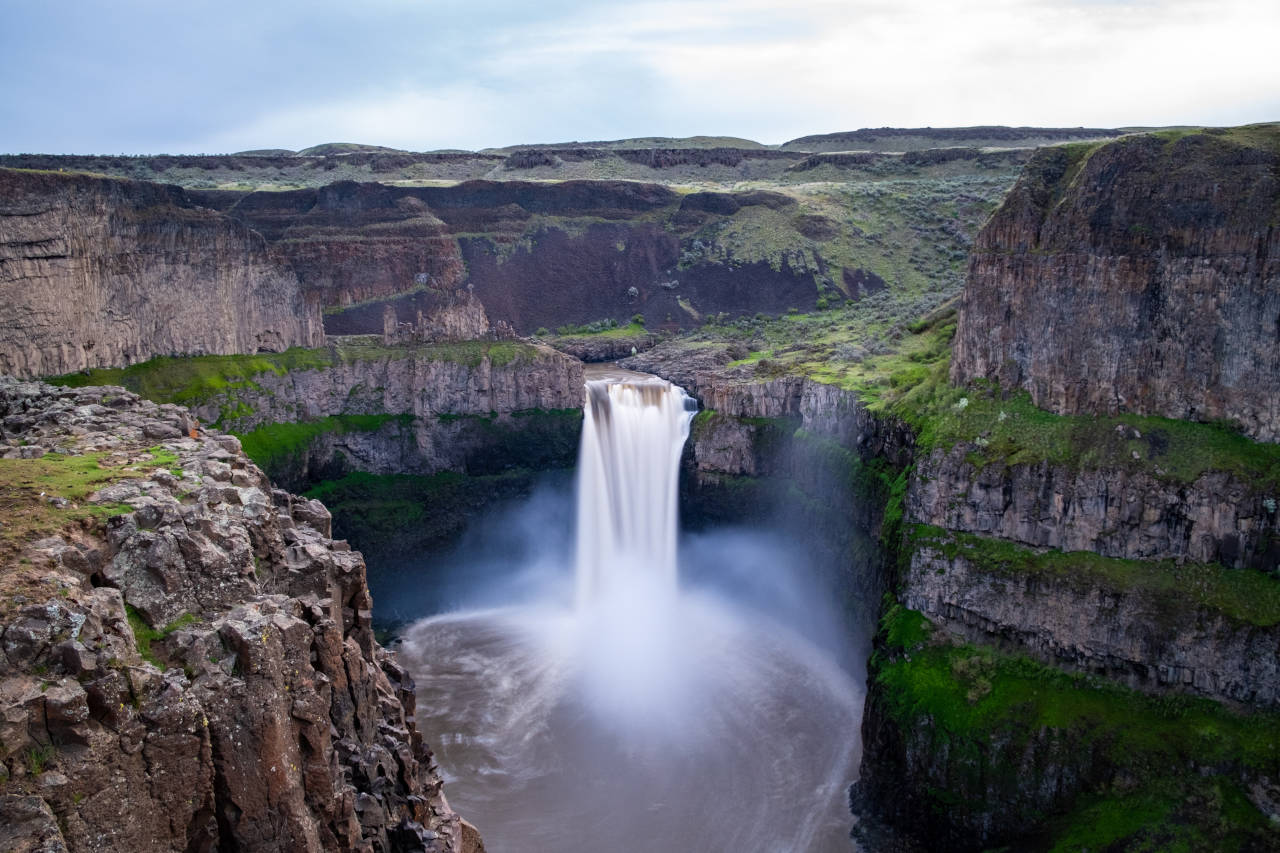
(628, 477)
(650, 716)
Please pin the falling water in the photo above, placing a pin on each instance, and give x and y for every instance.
(644, 717)
(628, 473)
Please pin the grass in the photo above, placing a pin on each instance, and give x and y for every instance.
(194, 380)
(144, 635)
(601, 329)
(1244, 596)
(37, 758)
(988, 706)
(1008, 429)
(26, 485)
(1166, 816)
(1023, 695)
(272, 445)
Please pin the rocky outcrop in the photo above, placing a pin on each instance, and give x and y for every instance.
(101, 272)
(457, 316)
(1140, 638)
(1131, 514)
(200, 671)
(350, 243)
(425, 381)
(825, 411)
(607, 347)
(1140, 276)
(917, 138)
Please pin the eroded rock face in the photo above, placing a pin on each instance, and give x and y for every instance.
(1143, 278)
(1137, 638)
(404, 381)
(101, 272)
(1134, 515)
(200, 673)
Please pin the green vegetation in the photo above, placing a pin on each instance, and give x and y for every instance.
(1242, 595)
(607, 328)
(144, 635)
(195, 380)
(38, 757)
(1008, 429)
(29, 486)
(988, 708)
(404, 512)
(274, 445)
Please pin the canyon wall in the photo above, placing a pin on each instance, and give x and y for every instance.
(103, 272)
(362, 377)
(190, 662)
(1084, 607)
(535, 254)
(1139, 276)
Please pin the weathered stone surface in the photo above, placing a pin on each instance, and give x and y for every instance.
(105, 272)
(27, 825)
(405, 381)
(1130, 636)
(255, 711)
(1145, 278)
(1217, 518)
(596, 348)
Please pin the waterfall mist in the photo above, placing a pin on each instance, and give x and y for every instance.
(580, 698)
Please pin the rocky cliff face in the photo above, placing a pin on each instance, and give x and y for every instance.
(1149, 639)
(103, 272)
(199, 671)
(1140, 276)
(1138, 515)
(366, 378)
(535, 254)
(1057, 624)
(349, 242)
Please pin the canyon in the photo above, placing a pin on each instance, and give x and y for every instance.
(1035, 454)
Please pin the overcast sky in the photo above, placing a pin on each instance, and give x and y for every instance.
(184, 76)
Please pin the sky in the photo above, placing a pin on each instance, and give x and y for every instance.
(216, 76)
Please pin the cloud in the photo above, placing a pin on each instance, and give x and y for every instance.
(141, 75)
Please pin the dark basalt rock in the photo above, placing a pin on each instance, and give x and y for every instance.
(1141, 276)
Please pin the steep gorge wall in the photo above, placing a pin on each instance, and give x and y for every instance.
(103, 272)
(1070, 591)
(1139, 276)
(536, 254)
(422, 381)
(200, 671)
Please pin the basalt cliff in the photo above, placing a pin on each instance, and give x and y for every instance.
(189, 661)
(1055, 498)
(1080, 625)
(1140, 276)
(98, 272)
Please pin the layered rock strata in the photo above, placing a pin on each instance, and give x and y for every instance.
(199, 671)
(1143, 638)
(1140, 276)
(364, 378)
(104, 272)
(1133, 514)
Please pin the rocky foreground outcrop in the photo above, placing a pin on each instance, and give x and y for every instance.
(1140, 276)
(98, 272)
(188, 657)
